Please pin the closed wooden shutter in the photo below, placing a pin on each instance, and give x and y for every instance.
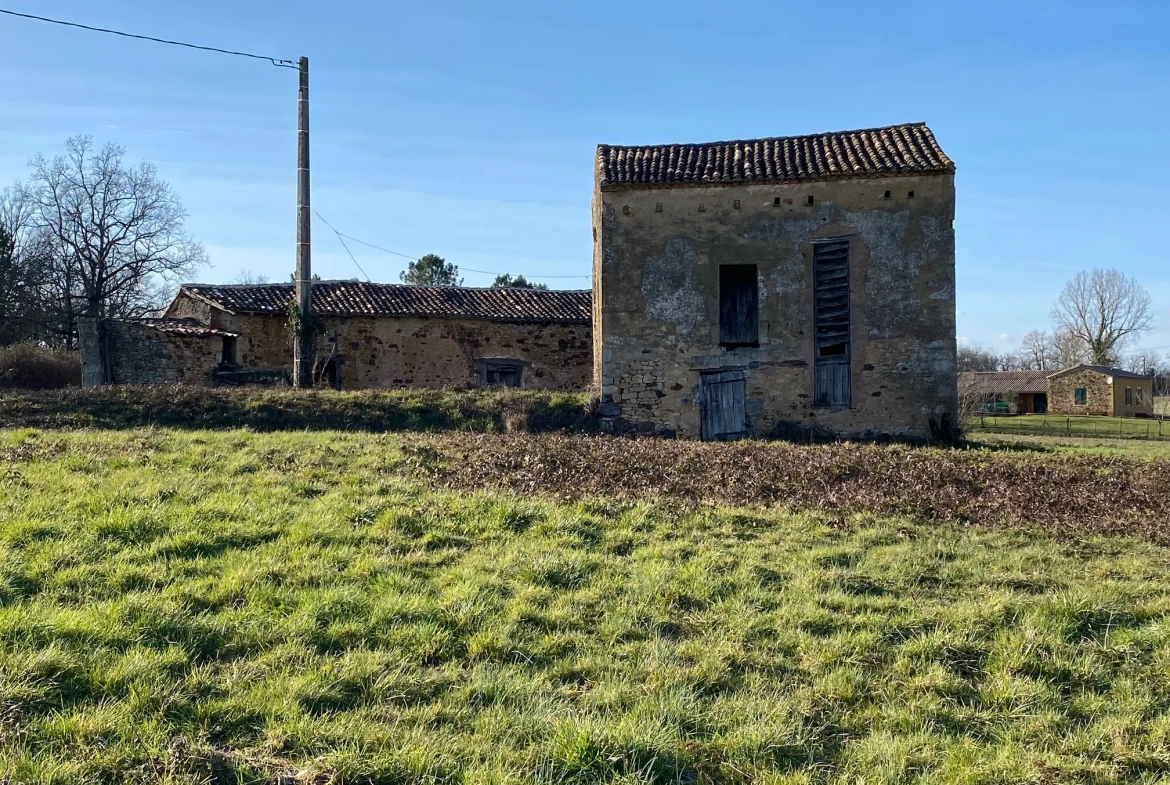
(723, 412)
(833, 351)
(739, 308)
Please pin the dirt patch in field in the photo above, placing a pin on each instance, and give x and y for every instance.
(1068, 495)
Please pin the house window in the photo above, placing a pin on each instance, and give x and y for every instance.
(1129, 396)
(228, 355)
(1080, 396)
(502, 373)
(832, 379)
(739, 310)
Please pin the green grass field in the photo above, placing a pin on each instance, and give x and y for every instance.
(194, 607)
(1087, 427)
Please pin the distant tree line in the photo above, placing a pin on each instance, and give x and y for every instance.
(1095, 319)
(434, 270)
(88, 235)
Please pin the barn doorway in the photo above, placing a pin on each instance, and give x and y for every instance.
(724, 416)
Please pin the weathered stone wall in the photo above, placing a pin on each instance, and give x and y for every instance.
(419, 352)
(1098, 393)
(138, 354)
(657, 254)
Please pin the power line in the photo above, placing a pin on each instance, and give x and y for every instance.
(342, 241)
(275, 61)
(415, 258)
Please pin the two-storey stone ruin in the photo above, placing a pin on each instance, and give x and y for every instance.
(776, 286)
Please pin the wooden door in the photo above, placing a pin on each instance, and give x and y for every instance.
(723, 413)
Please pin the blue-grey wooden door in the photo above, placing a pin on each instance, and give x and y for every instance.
(723, 413)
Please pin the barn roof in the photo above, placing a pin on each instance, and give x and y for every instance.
(360, 298)
(894, 150)
(1004, 382)
(188, 327)
(1103, 369)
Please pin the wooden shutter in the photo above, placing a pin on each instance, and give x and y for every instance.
(739, 310)
(723, 413)
(833, 351)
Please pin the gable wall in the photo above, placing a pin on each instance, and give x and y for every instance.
(656, 299)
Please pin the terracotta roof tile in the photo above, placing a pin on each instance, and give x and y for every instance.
(359, 298)
(894, 150)
(1004, 382)
(182, 327)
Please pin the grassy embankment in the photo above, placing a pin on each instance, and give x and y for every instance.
(269, 409)
(218, 607)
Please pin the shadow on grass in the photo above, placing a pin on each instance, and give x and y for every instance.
(119, 407)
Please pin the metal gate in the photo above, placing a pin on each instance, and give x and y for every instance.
(723, 414)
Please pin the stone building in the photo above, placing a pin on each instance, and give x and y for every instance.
(777, 286)
(151, 351)
(1100, 390)
(373, 335)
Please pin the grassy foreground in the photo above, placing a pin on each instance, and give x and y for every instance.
(188, 607)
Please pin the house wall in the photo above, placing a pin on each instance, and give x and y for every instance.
(1121, 409)
(141, 355)
(414, 352)
(1098, 392)
(656, 301)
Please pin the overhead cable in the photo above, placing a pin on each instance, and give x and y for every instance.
(274, 60)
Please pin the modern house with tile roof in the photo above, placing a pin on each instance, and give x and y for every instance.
(782, 285)
(1082, 390)
(369, 335)
(1101, 390)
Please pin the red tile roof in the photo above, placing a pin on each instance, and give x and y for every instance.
(894, 150)
(1004, 382)
(182, 327)
(359, 298)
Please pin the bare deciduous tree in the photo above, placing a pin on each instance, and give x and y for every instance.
(116, 231)
(1036, 351)
(1103, 308)
(23, 268)
(976, 358)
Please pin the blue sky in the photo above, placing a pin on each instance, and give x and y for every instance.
(468, 129)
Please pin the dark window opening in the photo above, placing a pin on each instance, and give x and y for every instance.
(776, 202)
(910, 195)
(833, 350)
(886, 195)
(502, 373)
(809, 200)
(738, 305)
(1080, 396)
(832, 378)
(228, 353)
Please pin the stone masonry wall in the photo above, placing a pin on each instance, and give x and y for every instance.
(418, 352)
(142, 355)
(1098, 393)
(657, 254)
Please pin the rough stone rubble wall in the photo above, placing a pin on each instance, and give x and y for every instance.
(657, 254)
(417, 352)
(141, 355)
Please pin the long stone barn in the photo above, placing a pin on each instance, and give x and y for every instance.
(778, 286)
(370, 335)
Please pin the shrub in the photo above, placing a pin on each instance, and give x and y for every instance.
(34, 367)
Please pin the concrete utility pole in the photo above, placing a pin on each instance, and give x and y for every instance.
(304, 344)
